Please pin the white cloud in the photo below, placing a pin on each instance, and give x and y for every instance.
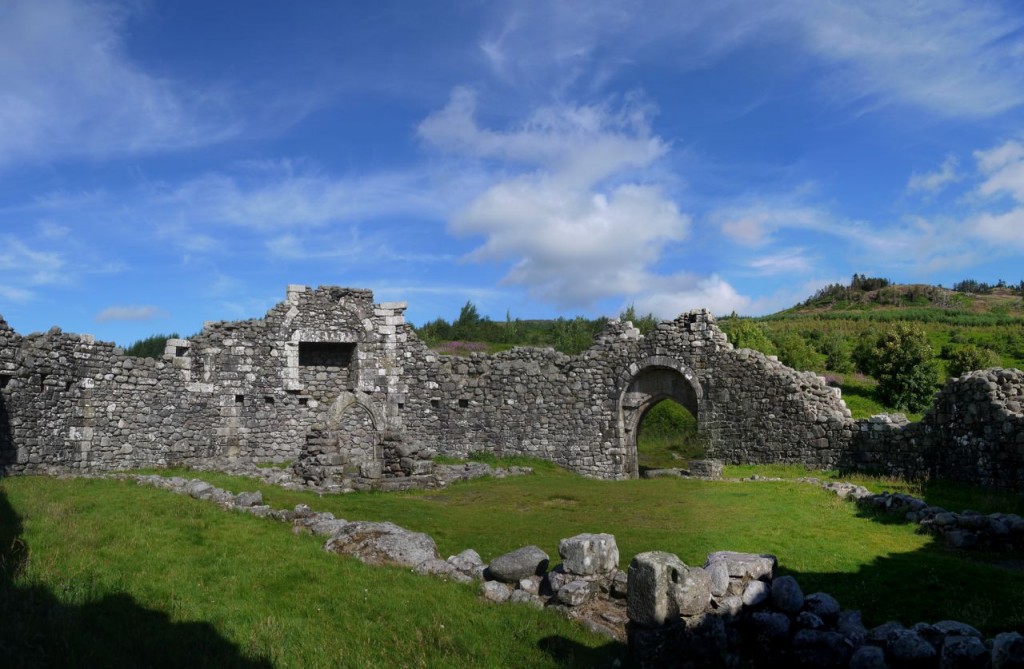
(31, 266)
(1003, 169)
(672, 295)
(67, 88)
(786, 261)
(580, 145)
(1001, 229)
(15, 294)
(130, 313)
(951, 57)
(933, 182)
(287, 198)
(578, 220)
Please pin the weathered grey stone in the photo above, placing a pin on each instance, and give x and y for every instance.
(1008, 651)
(199, 489)
(807, 620)
(819, 649)
(530, 585)
(956, 628)
(787, 595)
(520, 563)
(907, 648)
(885, 632)
(442, 569)
(469, 562)
(850, 625)
(693, 591)
(588, 554)
(823, 605)
(719, 571)
(382, 543)
(650, 601)
(868, 657)
(249, 498)
(524, 597)
(495, 591)
(744, 565)
(963, 652)
(619, 585)
(574, 593)
(771, 629)
(756, 593)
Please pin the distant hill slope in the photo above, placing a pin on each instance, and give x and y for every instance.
(914, 302)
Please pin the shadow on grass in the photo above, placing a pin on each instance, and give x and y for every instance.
(568, 653)
(39, 630)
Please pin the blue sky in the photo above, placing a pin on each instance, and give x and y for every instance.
(163, 163)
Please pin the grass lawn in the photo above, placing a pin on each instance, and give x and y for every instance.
(182, 574)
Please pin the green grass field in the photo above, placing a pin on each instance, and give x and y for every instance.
(86, 560)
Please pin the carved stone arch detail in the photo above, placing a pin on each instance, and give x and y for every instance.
(346, 401)
(627, 375)
(645, 383)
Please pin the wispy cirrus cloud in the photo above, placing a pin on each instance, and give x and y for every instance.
(68, 89)
(931, 183)
(130, 313)
(955, 58)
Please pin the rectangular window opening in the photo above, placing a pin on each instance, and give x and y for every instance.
(463, 404)
(268, 399)
(435, 403)
(239, 399)
(401, 405)
(180, 351)
(303, 401)
(326, 354)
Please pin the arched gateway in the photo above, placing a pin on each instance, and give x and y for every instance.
(644, 385)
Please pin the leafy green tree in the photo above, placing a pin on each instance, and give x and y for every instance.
(469, 323)
(969, 358)
(747, 333)
(907, 376)
(836, 351)
(643, 323)
(863, 355)
(794, 351)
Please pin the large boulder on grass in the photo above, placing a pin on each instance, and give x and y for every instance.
(520, 563)
(589, 554)
(651, 594)
(383, 543)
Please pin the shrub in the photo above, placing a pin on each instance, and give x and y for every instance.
(902, 363)
(746, 333)
(837, 355)
(969, 358)
(795, 352)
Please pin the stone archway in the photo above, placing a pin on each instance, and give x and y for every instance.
(356, 429)
(644, 385)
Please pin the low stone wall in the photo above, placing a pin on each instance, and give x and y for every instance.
(732, 611)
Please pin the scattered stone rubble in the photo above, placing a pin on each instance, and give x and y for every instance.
(733, 611)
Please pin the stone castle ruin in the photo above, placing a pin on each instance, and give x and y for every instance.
(343, 387)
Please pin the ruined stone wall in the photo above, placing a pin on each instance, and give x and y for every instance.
(973, 433)
(330, 378)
